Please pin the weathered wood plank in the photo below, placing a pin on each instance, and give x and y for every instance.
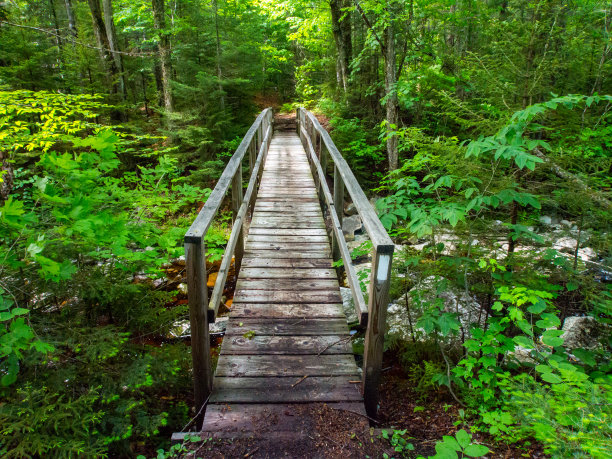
(287, 254)
(294, 263)
(263, 222)
(237, 419)
(287, 296)
(294, 199)
(287, 273)
(293, 345)
(294, 246)
(284, 389)
(292, 285)
(288, 231)
(286, 311)
(292, 326)
(285, 365)
(293, 238)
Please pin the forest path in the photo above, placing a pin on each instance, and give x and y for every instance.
(287, 343)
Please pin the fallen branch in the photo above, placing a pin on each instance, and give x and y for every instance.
(347, 338)
(566, 175)
(302, 379)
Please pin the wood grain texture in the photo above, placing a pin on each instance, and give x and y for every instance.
(285, 390)
(287, 296)
(291, 285)
(292, 345)
(287, 310)
(294, 326)
(287, 273)
(285, 365)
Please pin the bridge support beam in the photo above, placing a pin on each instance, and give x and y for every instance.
(375, 333)
(195, 260)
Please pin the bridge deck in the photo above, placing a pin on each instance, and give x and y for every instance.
(287, 341)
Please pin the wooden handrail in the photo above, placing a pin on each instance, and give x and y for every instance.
(201, 311)
(314, 137)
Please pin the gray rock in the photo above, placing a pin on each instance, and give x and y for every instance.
(350, 209)
(182, 288)
(180, 329)
(358, 239)
(348, 306)
(351, 224)
(566, 223)
(219, 326)
(582, 332)
(545, 220)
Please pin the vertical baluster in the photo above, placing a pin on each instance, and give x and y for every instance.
(375, 333)
(236, 203)
(195, 261)
(339, 206)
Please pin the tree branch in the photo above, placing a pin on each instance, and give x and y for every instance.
(369, 25)
(77, 42)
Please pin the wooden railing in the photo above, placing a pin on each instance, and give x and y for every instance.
(320, 148)
(201, 310)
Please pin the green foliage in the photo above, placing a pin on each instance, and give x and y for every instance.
(399, 442)
(461, 445)
(570, 417)
(78, 378)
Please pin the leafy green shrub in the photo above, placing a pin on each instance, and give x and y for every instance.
(79, 373)
(571, 417)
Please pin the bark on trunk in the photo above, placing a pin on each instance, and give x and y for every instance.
(218, 50)
(106, 57)
(391, 97)
(163, 48)
(6, 177)
(71, 21)
(111, 32)
(341, 28)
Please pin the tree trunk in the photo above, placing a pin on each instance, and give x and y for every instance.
(6, 177)
(391, 97)
(71, 20)
(163, 47)
(218, 50)
(341, 29)
(108, 62)
(111, 32)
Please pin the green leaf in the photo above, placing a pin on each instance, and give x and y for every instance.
(463, 438)
(551, 378)
(476, 450)
(445, 451)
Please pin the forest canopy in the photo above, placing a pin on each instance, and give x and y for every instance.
(480, 129)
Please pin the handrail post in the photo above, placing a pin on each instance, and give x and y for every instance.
(375, 333)
(195, 261)
(236, 203)
(339, 206)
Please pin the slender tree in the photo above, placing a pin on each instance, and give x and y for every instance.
(163, 47)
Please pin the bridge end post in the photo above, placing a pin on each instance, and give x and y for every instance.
(197, 292)
(380, 278)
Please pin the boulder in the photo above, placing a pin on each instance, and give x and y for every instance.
(566, 223)
(582, 332)
(351, 224)
(546, 220)
(350, 209)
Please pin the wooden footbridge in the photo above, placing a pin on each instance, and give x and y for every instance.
(287, 341)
